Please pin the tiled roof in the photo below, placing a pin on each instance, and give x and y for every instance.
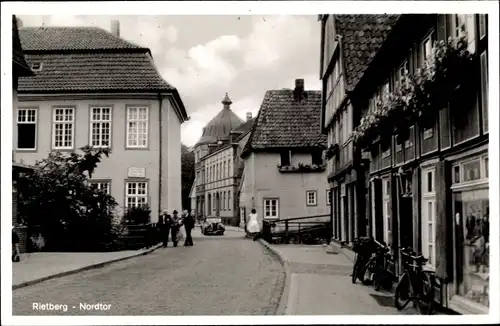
(284, 122)
(245, 126)
(362, 37)
(93, 72)
(71, 38)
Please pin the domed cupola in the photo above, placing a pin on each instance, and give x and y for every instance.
(219, 127)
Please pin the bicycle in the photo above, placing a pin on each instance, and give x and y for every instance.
(376, 268)
(363, 247)
(415, 284)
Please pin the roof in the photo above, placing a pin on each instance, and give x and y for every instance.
(220, 125)
(71, 38)
(19, 63)
(362, 37)
(78, 72)
(89, 59)
(245, 126)
(284, 122)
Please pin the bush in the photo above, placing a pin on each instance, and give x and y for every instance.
(72, 215)
(137, 215)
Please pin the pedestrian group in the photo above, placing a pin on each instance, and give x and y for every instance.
(170, 226)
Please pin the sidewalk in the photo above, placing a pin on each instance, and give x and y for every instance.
(234, 228)
(38, 267)
(320, 284)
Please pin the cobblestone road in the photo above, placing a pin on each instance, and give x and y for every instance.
(225, 275)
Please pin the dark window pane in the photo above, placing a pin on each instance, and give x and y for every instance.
(430, 184)
(285, 158)
(317, 158)
(26, 136)
(444, 121)
(484, 89)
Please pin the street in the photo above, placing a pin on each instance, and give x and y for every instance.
(220, 275)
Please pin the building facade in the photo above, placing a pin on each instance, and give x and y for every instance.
(94, 88)
(427, 178)
(284, 175)
(218, 166)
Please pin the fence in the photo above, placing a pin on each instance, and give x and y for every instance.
(307, 229)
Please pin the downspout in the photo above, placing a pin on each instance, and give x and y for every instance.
(160, 115)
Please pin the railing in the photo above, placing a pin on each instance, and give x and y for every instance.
(300, 230)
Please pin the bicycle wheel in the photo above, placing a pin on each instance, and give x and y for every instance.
(365, 274)
(402, 292)
(426, 299)
(355, 269)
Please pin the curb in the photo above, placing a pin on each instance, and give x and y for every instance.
(288, 278)
(81, 269)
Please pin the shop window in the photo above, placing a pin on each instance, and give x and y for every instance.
(471, 212)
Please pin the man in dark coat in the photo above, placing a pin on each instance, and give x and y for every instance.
(164, 224)
(15, 246)
(188, 226)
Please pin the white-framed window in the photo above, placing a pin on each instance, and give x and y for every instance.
(137, 127)
(471, 171)
(429, 216)
(271, 209)
(136, 193)
(63, 131)
(26, 128)
(100, 126)
(328, 197)
(104, 186)
(311, 198)
(386, 209)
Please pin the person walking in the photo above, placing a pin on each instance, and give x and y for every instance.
(174, 227)
(188, 226)
(15, 247)
(253, 226)
(164, 228)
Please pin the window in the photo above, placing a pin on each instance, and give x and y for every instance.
(329, 197)
(317, 158)
(62, 130)
(386, 210)
(471, 213)
(229, 204)
(137, 127)
(409, 141)
(403, 72)
(427, 48)
(285, 158)
(215, 202)
(484, 89)
(428, 133)
(271, 208)
(103, 186)
(223, 200)
(471, 171)
(100, 126)
(26, 128)
(136, 194)
(387, 152)
(430, 181)
(36, 66)
(483, 26)
(312, 199)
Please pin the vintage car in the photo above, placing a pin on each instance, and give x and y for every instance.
(212, 226)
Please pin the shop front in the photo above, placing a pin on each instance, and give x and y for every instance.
(470, 206)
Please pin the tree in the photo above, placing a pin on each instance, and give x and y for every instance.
(187, 175)
(57, 197)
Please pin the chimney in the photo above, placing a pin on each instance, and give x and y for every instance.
(19, 23)
(299, 89)
(115, 28)
(249, 116)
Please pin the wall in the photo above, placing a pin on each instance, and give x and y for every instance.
(115, 168)
(289, 187)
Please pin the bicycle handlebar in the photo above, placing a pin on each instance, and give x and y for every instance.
(411, 254)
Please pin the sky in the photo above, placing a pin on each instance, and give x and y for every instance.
(206, 56)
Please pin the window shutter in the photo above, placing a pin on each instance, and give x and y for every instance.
(379, 218)
(444, 235)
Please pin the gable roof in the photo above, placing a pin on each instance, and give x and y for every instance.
(362, 37)
(284, 122)
(89, 59)
(58, 39)
(244, 128)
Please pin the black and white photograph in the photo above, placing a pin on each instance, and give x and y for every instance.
(326, 162)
